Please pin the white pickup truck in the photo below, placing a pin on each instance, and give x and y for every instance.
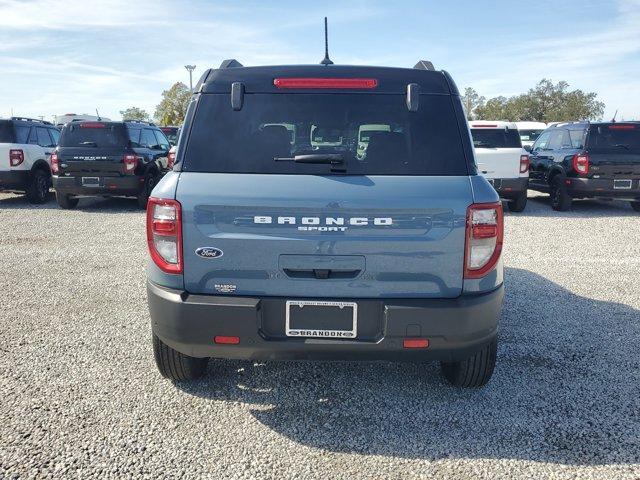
(502, 160)
(26, 145)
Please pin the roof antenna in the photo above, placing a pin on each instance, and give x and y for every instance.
(613, 120)
(327, 60)
(98, 115)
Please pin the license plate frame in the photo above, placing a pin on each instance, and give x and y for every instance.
(622, 184)
(310, 332)
(90, 181)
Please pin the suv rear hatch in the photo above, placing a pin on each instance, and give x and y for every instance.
(93, 148)
(300, 204)
(498, 151)
(614, 150)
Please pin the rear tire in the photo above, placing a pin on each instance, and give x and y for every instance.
(38, 187)
(150, 180)
(635, 206)
(177, 366)
(65, 201)
(519, 203)
(473, 372)
(560, 198)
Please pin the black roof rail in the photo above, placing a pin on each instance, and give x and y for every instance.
(27, 119)
(424, 65)
(230, 63)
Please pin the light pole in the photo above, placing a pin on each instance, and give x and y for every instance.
(190, 69)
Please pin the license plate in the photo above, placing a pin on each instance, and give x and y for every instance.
(90, 181)
(622, 184)
(321, 319)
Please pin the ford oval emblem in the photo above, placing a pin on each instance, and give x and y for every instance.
(209, 252)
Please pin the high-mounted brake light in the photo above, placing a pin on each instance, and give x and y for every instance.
(524, 163)
(164, 234)
(484, 234)
(16, 157)
(130, 163)
(581, 163)
(171, 159)
(55, 163)
(325, 82)
(622, 127)
(92, 125)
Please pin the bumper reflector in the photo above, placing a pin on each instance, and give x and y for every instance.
(226, 340)
(415, 343)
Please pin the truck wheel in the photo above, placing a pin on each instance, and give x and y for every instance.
(519, 203)
(38, 187)
(635, 206)
(65, 201)
(473, 372)
(560, 199)
(150, 180)
(175, 365)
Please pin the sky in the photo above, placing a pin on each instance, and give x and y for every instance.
(63, 56)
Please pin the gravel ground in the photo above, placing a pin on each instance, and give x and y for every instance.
(81, 396)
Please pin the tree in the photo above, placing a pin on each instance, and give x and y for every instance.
(135, 113)
(545, 102)
(470, 101)
(173, 107)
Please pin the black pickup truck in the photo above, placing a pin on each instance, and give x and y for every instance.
(587, 160)
(96, 158)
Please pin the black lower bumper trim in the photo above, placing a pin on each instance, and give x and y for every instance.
(510, 187)
(14, 179)
(456, 328)
(107, 186)
(603, 188)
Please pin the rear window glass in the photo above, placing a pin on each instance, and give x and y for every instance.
(6, 132)
(529, 135)
(495, 138)
(368, 134)
(94, 134)
(617, 137)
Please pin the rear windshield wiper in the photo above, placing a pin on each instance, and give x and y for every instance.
(622, 145)
(318, 158)
(88, 144)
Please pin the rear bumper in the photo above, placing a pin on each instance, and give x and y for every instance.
(601, 188)
(510, 187)
(115, 186)
(456, 328)
(14, 179)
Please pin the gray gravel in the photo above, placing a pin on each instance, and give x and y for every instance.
(80, 395)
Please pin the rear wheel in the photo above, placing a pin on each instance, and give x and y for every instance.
(150, 180)
(635, 206)
(473, 372)
(66, 201)
(38, 187)
(560, 198)
(175, 365)
(519, 203)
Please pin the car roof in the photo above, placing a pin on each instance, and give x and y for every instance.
(531, 125)
(492, 124)
(261, 79)
(28, 121)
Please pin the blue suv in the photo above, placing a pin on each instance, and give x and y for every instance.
(325, 212)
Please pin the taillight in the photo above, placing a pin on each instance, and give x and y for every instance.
(130, 163)
(581, 163)
(55, 163)
(16, 157)
(524, 163)
(164, 234)
(484, 233)
(171, 160)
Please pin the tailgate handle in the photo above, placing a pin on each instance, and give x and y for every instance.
(321, 273)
